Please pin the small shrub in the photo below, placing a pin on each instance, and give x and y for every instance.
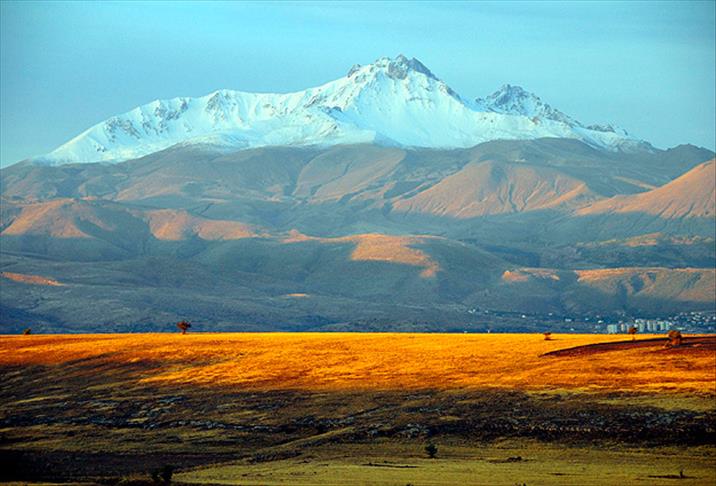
(547, 336)
(163, 475)
(633, 330)
(675, 338)
(27, 331)
(432, 450)
(183, 326)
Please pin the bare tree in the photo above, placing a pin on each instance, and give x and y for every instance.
(633, 330)
(183, 326)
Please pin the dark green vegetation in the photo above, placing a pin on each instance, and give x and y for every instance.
(269, 239)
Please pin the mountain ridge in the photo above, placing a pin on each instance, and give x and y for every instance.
(371, 235)
(396, 102)
(689, 195)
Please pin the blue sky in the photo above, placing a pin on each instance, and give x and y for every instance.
(646, 66)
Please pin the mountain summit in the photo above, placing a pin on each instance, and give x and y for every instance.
(398, 68)
(514, 100)
(393, 102)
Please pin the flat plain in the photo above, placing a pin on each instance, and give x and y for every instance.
(351, 408)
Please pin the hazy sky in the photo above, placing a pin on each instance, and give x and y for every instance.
(646, 66)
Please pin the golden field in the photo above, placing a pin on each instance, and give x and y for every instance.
(314, 362)
(325, 409)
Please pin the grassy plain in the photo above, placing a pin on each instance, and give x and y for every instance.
(352, 361)
(358, 408)
(488, 465)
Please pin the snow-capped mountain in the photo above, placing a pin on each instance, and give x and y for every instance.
(513, 100)
(390, 102)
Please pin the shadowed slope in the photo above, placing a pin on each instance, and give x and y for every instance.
(73, 218)
(400, 238)
(101, 219)
(685, 284)
(685, 206)
(689, 196)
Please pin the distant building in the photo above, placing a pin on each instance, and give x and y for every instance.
(652, 325)
(642, 325)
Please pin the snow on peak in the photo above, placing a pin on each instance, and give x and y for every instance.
(609, 128)
(398, 68)
(514, 100)
(393, 101)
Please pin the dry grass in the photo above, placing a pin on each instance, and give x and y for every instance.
(46, 217)
(358, 408)
(690, 195)
(382, 248)
(598, 274)
(527, 274)
(30, 279)
(173, 225)
(399, 464)
(334, 362)
(394, 249)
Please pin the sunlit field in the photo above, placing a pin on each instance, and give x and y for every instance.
(305, 409)
(378, 361)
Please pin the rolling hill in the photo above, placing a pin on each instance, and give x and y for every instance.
(684, 206)
(355, 237)
(688, 196)
(382, 200)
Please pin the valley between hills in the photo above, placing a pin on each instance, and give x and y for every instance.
(359, 237)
